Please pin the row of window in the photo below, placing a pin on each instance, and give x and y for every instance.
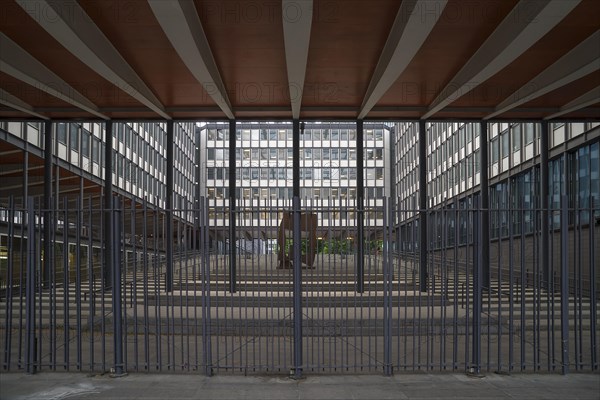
(515, 202)
(286, 134)
(279, 193)
(139, 153)
(286, 154)
(520, 135)
(272, 173)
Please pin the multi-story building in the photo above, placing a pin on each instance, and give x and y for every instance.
(516, 211)
(264, 177)
(139, 158)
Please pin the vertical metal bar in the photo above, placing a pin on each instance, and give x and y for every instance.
(22, 285)
(360, 207)
(91, 279)
(156, 272)
(552, 301)
(30, 288)
(108, 203)
(117, 292)
(78, 299)
(593, 305)
(422, 206)
(564, 283)
(579, 287)
(485, 205)
(232, 200)
(297, 251)
(47, 196)
(184, 256)
(387, 292)
(66, 285)
(134, 289)
(145, 285)
(511, 267)
(125, 265)
(169, 207)
(206, 314)
(9, 284)
(38, 285)
(477, 292)
(53, 287)
(544, 193)
(456, 283)
(522, 285)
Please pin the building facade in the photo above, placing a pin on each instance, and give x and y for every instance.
(138, 162)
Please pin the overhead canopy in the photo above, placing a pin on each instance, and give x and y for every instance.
(321, 59)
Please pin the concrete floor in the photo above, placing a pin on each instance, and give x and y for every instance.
(54, 386)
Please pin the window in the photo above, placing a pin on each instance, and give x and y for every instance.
(558, 136)
(85, 143)
(516, 137)
(61, 133)
(505, 143)
(495, 150)
(95, 150)
(529, 133)
(74, 137)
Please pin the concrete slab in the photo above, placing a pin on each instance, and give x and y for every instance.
(56, 385)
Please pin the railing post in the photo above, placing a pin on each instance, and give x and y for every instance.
(360, 207)
(544, 183)
(484, 205)
(422, 206)
(47, 201)
(297, 290)
(108, 205)
(232, 211)
(477, 269)
(169, 207)
(31, 365)
(117, 293)
(564, 283)
(388, 219)
(297, 250)
(205, 266)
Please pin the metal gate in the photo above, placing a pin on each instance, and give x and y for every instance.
(298, 287)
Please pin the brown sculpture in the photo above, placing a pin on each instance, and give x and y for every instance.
(308, 230)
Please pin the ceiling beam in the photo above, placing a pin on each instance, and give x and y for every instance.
(69, 24)
(413, 24)
(579, 62)
(19, 64)
(297, 24)
(13, 102)
(527, 22)
(590, 98)
(180, 21)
